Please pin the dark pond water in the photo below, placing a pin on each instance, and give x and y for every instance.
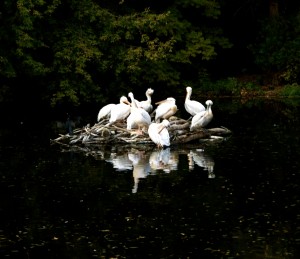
(235, 198)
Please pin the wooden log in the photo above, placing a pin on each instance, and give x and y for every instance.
(185, 125)
(190, 137)
(104, 133)
(219, 131)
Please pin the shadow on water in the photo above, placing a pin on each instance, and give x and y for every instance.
(238, 198)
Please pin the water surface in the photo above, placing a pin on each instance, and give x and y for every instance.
(235, 198)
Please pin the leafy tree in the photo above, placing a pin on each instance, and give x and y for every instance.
(87, 51)
(277, 48)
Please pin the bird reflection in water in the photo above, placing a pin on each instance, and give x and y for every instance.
(120, 162)
(164, 159)
(141, 167)
(201, 159)
(145, 163)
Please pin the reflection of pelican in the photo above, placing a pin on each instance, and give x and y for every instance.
(146, 105)
(141, 167)
(159, 133)
(105, 111)
(120, 162)
(203, 160)
(165, 109)
(191, 106)
(164, 160)
(120, 111)
(201, 119)
(138, 116)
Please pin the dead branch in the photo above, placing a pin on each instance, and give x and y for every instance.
(105, 133)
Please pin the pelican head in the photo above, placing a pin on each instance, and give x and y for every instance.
(209, 102)
(124, 99)
(133, 103)
(130, 95)
(149, 91)
(189, 89)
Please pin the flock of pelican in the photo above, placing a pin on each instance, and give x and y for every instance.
(138, 115)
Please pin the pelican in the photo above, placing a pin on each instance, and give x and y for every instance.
(191, 106)
(105, 111)
(146, 105)
(165, 109)
(138, 116)
(120, 111)
(201, 119)
(159, 133)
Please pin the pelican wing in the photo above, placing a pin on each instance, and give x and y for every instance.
(164, 137)
(119, 112)
(193, 107)
(165, 111)
(138, 117)
(105, 111)
(201, 119)
(159, 134)
(197, 119)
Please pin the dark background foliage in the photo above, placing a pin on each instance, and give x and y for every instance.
(67, 54)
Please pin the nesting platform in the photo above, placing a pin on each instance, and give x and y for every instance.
(101, 133)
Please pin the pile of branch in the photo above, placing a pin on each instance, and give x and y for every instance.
(103, 133)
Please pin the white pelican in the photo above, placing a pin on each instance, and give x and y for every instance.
(146, 105)
(165, 109)
(191, 106)
(138, 116)
(159, 133)
(105, 111)
(201, 119)
(120, 111)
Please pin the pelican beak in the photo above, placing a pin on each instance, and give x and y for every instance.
(160, 129)
(127, 102)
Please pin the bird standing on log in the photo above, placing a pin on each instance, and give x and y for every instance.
(159, 133)
(138, 117)
(201, 119)
(120, 111)
(191, 106)
(105, 111)
(146, 105)
(165, 109)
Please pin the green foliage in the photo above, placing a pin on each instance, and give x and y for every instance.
(278, 45)
(290, 90)
(230, 86)
(28, 39)
(89, 51)
(220, 87)
(210, 8)
(6, 68)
